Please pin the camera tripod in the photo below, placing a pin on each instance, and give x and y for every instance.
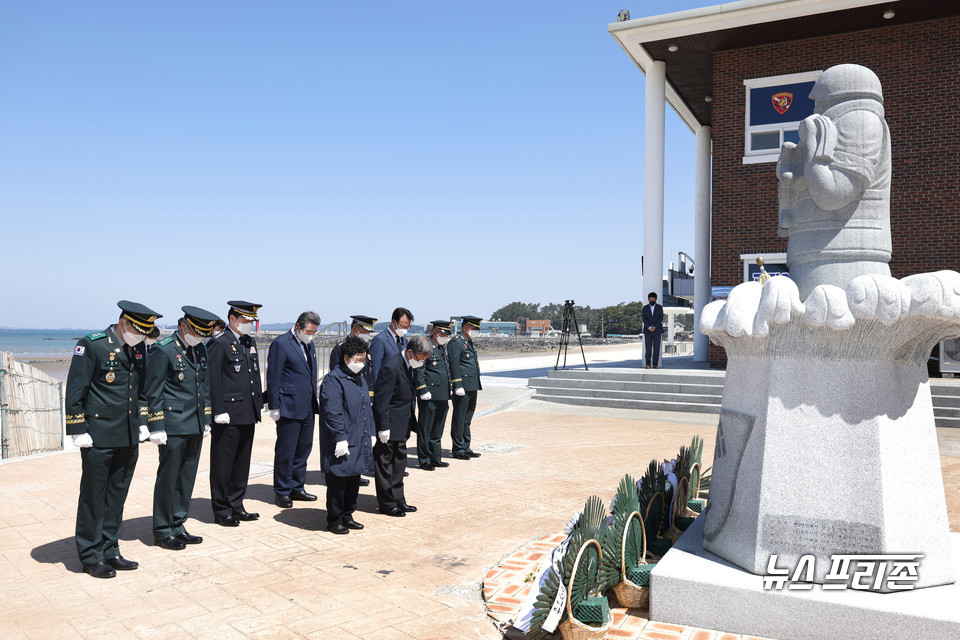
(569, 317)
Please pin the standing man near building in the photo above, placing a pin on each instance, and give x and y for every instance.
(652, 331)
(178, 399)
(236, 395)
(105, 407)
(390, 342)
(433, 389)
(394, 404)
(292, 396)
(465, 378)
(346, 434)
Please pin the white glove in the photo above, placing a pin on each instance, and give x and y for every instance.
(275, 414)
(426, 396)
(83, 440)
(144, 433)
(384, 436)
(158, 438)
(206, 430)
(373, 441)
(460, 392)
(342, 449)
(223, 418)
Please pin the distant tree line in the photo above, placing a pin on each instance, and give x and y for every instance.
(620, 319)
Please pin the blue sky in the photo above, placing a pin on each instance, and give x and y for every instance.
(336, 156)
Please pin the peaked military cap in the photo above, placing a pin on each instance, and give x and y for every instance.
(201, 320)
(364, 321)
(141, 317)
(443, 325)
(473, 321)
(244, 308)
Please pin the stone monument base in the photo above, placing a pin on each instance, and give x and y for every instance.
(693, 587)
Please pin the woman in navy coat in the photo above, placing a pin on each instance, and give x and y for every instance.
(346, 434)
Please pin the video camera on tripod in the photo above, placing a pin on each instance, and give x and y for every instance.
(569, 318)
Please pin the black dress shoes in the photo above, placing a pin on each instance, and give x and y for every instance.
(339, 529)
(99, 570)
(352, 524)
(186, 538)
(408, 508)
(302, 496)
(427, 467)
(441, 464)
(462, 456)
(364, 482)
(473, 454)
(121, 564)
(246, 516)
(227, 521)
(284, 502)
(396, 512)
(171, 543)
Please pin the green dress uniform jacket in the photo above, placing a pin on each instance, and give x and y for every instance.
(178, 398)
(465, 374)
(105, 398)
(434, 378)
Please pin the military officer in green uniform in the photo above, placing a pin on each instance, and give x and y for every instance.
(105, 407)
(178, 400)
(465, 378)
(433, 391)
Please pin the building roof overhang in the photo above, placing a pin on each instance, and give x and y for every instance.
(698, 33)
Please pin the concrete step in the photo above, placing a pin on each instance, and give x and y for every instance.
(615, 385)
(946, 412)
(641, 375)
(942, 387)
(630, 395)
(946, 422)
(946, 401)
(645, 405)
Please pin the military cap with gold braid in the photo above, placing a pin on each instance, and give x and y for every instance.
(142, 318)
(200, 320)
(473, 321)
(244, 308)
(364, 321)
(443, 325)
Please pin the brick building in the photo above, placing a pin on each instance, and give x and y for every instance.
(738, 76)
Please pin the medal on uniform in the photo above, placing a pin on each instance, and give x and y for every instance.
(113, 357)
(111, 376)
(236, 368)
(180, 377)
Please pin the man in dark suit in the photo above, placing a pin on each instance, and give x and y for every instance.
(178, 400)
(361, 327)
(652, 331)
(292, 396)
(105, 408)
(393, 412)
(390, 342)
(465, 380)
(236, 396)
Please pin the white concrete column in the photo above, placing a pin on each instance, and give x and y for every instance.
(701, 239)
(654, 112)
(671, 321)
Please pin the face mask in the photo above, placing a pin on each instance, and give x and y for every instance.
(304, 338)
(366, 337)
(470, 334)
(401, 332)
(414, 363)
(356, 367)
(191, 340)
(132, 339)
(443, 340)
(244, 328)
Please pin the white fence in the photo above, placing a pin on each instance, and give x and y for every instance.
(31, 409)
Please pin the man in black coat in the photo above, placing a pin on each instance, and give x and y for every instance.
(236, 395)
(652, 316)
(394, 402)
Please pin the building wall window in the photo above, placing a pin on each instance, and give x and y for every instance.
(775, 108)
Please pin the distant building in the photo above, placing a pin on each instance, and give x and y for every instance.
(534, 328)
(498, 328)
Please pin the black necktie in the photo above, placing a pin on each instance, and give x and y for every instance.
(399, 343)
(190, 355)
(306, 352)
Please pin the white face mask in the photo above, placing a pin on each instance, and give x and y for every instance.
(356, 367)
(191, 340)
(401, 332)
(131, 339)
(414, 363)
(470, 334)
(443, 340)
(304, 338)
(366, 337)
(244, 328)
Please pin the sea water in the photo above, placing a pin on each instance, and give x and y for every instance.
(26, 343)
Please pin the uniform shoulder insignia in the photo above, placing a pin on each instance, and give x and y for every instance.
(97, 335)
(166, 341)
